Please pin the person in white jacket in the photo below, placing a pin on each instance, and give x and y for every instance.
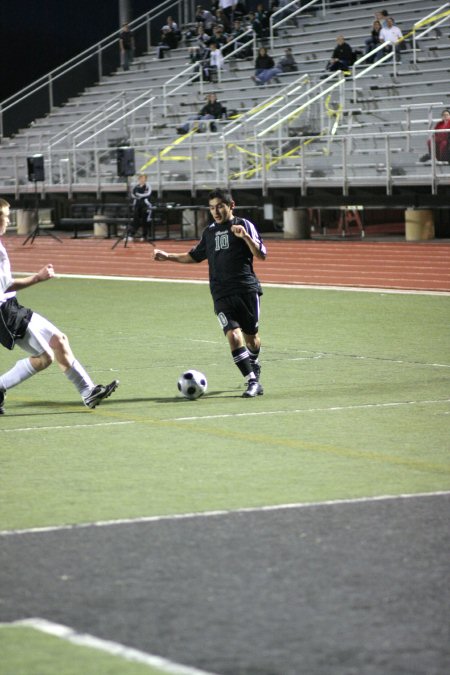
(392, 33)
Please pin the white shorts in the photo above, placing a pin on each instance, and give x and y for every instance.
(37, 338)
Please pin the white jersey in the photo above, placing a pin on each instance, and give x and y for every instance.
(5, 275)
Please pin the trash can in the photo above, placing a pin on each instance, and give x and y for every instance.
(419, 224)
(25, 221)
(188, 228)
(100, 227)
(295, 224)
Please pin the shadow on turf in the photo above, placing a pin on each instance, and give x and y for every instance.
(226, 393)
(56, 405)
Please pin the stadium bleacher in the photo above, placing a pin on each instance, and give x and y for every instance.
(368, 132)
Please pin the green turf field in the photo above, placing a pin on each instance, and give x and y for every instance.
(356, 404)
(28, 652)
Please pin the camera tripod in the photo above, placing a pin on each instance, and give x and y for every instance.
(126, 235)
(37, 229)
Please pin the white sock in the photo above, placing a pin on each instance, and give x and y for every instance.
(18, 373)
(79, 378)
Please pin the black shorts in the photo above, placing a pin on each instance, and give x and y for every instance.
(238, 311)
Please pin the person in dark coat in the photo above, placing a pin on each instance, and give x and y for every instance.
(342, 56)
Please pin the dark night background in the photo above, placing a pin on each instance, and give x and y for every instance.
(39, 35)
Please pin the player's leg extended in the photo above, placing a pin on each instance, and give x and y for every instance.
(71, 368)
(91, 394)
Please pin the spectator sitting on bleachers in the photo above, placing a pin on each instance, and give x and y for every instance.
(265, 68)
(373, 41)
(255, 25)
(219, 36)
(223, 20)
(441, 140)
(213, 110)
(287, 62)
(199, 48)
(170, 36)
(213, 63)
(235, 34)
(205, 17)
(394, 35)
(342, 57)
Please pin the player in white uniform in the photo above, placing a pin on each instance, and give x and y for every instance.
(36, 335)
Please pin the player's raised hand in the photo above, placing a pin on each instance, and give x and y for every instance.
(238, 230)
(47, 272)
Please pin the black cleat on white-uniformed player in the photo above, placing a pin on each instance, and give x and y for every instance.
(2, 398)
(100, 392)
(254, 388)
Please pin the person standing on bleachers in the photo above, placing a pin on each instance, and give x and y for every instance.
(126, 45)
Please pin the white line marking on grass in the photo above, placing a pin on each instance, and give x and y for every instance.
(307, 287)
(108, 646)
(229, 512)
(336, 408)
(65, 426)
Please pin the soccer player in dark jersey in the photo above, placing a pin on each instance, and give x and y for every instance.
(229, 244)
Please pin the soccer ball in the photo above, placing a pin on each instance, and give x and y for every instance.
(192, 384)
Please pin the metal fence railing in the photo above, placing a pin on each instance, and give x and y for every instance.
(339, 160)
(51, 90)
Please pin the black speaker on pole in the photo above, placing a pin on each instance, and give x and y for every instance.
(125, 162)
(35, 166)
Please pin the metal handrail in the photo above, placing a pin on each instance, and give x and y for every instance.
(282, 10)
(258, 110)
(233, 53)
(430, 28)
(301, 108)
(194, 70)
(94, 51)
(118, 119)
(371, 66)
(103, 174)
(90, 117)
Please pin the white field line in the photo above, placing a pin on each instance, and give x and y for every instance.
(297, 411)
(231, 512)
(261, 413)
(114, 648)
(315, 287)
(65, 426)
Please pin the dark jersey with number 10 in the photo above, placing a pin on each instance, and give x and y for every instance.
(230, 259)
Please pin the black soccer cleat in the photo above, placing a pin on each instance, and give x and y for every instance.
(253, 389)
(100, 392)
(2, 398)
